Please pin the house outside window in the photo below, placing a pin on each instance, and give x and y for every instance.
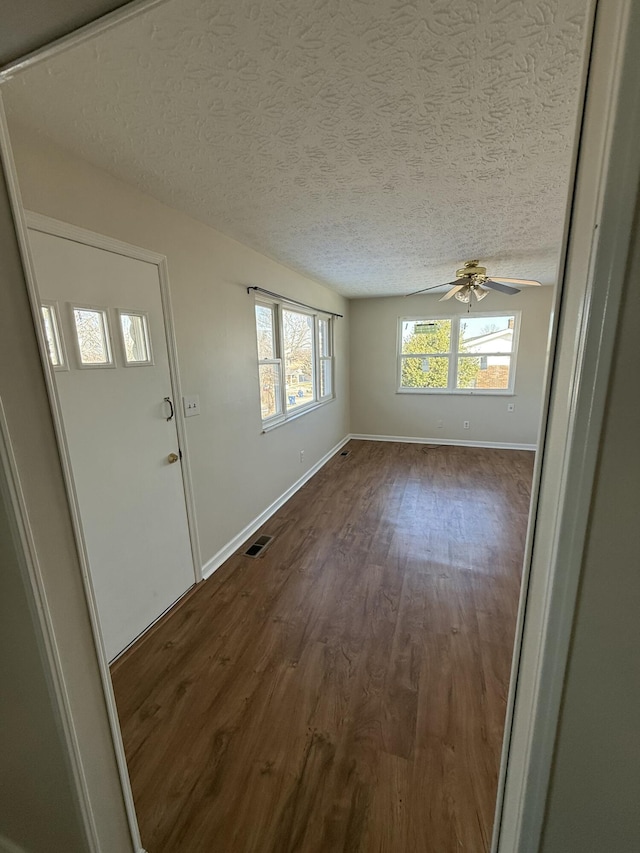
(295, 360)
(464, 354)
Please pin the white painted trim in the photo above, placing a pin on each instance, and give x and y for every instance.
(21, 228)
(47, 225)
(600, 235)
(82, 34)
(10, 483)
(454, 442)
(240, 538)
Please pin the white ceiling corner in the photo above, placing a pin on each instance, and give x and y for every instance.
(371, 144)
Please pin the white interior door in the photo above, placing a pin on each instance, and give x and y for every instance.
(111, 337)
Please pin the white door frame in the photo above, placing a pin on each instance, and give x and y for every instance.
(586, 318)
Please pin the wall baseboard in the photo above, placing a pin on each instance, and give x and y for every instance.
(231, 547)
(455, 442)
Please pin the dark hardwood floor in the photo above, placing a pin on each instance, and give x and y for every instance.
(346, 691)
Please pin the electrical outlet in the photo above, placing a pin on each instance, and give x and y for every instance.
(465, 424)
(511, 407)
(302, 455)
(439, 425)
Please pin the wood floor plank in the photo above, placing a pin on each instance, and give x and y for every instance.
(345, 691)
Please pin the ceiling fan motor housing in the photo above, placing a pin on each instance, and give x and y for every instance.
(470, 270)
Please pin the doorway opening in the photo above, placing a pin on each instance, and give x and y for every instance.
(132, 307)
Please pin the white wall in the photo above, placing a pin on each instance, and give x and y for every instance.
(377, 408)
(238, 471)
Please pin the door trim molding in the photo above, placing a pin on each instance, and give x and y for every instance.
(58, 228)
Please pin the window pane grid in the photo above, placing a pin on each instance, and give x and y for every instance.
(295, 360)
(473, 354)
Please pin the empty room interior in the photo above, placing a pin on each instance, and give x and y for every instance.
(294, 270)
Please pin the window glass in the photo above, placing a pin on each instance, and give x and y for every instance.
(135, 337)
(297, 339)
(52, 335)
(270, 396)
(425, 372)
(461, 353)
(326, 383)
(265, 327)
(323, 333)
(426, 336)
(92, 336)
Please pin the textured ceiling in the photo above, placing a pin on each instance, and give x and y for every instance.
(371, 144)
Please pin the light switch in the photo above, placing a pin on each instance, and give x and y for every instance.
(191, 406)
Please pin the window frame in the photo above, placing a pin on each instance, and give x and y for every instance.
(108, 336)
(277, 307)
(455, 354)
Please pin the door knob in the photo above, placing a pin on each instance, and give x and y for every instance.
(172, 457)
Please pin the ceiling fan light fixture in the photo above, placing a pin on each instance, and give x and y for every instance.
(464, 295)
(480, 293)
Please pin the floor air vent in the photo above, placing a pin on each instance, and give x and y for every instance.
(345, 453)
(258, 546)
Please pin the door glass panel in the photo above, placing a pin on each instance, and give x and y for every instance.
(92, 336)
(52, 335)
(135, 338)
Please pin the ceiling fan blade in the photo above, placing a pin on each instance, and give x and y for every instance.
(503, 288)
(529, 281)
(424, 289)
(453, 291)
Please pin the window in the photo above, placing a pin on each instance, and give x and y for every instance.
(92, 337)
(470, 354)
(136, 345)
(295, 360)
(53, 336)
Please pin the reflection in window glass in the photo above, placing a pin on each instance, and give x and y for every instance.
(297, 335)
(52, 335)
(135, 336)
(92, 336)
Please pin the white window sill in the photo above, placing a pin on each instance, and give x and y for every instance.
(293, 416)
(457, 392)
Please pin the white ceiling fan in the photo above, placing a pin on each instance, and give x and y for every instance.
(472, 280)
